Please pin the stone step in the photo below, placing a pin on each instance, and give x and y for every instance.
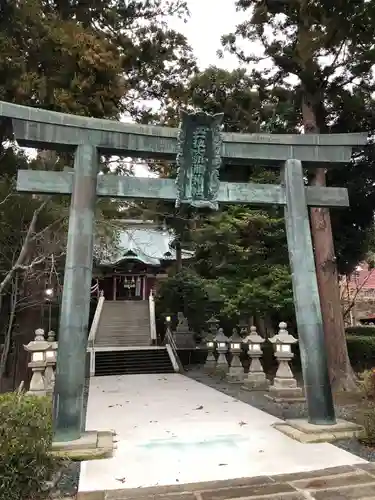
(123, 341)
(122, 344)
(123, 330)
(123, 335)
(104, 325)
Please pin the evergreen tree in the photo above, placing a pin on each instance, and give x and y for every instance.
(328, 48)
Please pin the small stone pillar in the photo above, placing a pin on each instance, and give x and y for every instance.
(256, 378)
(284, 387)
(37, 348)
(49, 374)
(222, 349)
(235, 373)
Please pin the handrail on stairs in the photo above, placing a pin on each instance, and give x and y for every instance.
(93, 331)
(171, 346)
(151, 304)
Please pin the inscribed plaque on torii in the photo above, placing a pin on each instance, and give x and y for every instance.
(199, 159)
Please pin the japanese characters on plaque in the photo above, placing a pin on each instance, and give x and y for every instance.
(198, 160)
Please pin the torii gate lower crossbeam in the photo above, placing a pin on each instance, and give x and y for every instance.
(85, 183)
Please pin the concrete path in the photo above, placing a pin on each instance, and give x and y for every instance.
(172, 430)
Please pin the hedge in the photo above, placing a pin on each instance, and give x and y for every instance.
(361, 331)
(361, 351)
(26, 464)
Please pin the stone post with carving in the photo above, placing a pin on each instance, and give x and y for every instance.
(49, 374)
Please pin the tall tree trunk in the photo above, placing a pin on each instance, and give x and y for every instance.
(341, 373)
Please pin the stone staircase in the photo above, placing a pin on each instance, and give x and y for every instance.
(124, 324)
(122, 343)
(131, 362)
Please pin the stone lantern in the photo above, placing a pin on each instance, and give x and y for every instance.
(213, 324)
(222, 349)
(37, 348)
(49, 374)
(235, 373)
(243, 324)
(284, 385)
(256, 378)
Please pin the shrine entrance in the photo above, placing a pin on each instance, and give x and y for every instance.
(122, 286)
(129, 287)
(200, 149)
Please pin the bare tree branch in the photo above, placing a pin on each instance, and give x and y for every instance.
(353, 298)
(30, 236)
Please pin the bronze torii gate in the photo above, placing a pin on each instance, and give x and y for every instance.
(199, 148)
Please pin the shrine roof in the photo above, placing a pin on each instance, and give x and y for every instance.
(146, 243)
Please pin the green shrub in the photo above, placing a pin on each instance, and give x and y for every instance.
(26, 463)
(361, 351)
(368, 383)
(361, 331)
(367, 419)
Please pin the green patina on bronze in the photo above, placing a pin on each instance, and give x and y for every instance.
(198, 159)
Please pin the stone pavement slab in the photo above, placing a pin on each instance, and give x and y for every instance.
(173, 431)
(337, 483)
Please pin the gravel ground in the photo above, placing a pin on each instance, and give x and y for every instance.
(284, 410)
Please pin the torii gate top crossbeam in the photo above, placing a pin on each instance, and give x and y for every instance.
(39, 128)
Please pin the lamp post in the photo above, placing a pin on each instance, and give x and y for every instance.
(235, 373)
(168, 331)
(284, 385)
(256, 378)
(210, 363)
(222, 349)
(37, 348)
(48, 294)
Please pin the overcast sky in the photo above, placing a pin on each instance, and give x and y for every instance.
(209, 20)
(207, 23)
